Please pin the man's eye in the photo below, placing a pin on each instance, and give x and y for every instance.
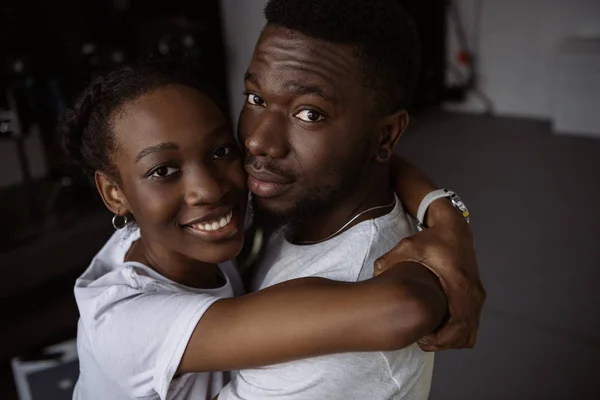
(222, 152)
(163, 172)
(255, 100)
(310, 116)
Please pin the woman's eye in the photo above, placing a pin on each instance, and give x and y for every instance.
(222, 152)
(310, 116)
(255, 100)
(164, 172)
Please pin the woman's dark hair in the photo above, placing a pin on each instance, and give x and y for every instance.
(85, 130)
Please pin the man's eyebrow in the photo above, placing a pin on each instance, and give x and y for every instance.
(314, 90)
(249, 76)
(296, 87)
(155, 149)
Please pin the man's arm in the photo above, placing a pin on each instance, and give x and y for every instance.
(412, 185)
(446, 248)
(312, 317)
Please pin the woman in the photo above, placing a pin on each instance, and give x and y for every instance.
(157, 305)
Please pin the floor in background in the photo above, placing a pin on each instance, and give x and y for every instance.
(535, 204)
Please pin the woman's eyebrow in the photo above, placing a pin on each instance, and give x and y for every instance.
(155, 149)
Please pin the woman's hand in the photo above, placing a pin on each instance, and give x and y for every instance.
(446, 248)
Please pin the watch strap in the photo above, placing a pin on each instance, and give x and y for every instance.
(427, 200)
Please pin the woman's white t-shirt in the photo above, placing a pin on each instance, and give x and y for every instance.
(134, 327)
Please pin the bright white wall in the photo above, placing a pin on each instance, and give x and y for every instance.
(518, 44)
(242, 23)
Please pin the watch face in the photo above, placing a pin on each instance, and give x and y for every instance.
(458, 202)
(461, 206)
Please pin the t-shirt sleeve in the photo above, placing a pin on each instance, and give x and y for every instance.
(138, 337)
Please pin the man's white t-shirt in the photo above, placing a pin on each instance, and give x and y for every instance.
(403, 374)
(134, 327)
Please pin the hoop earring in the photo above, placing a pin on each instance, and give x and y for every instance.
(117, 226)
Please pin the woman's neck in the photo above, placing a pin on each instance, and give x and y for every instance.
(175, 266)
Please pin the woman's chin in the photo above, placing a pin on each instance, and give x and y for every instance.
(219, 252)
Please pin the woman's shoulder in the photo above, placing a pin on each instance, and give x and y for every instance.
(110, 260)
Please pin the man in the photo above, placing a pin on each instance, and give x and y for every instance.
(327, 90)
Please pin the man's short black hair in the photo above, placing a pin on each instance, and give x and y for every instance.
(385, 37)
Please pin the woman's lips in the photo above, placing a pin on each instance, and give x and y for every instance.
(223, 228)
(215, 225)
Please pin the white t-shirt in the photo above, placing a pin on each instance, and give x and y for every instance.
(403, 374)
(134, 327)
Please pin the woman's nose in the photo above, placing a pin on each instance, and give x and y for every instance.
(204, 187)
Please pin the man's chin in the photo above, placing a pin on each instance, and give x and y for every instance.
(273, 215)
(292, 209)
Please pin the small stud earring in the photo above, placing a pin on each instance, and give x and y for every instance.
(384, 154)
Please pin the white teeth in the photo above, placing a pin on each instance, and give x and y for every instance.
(216, 225)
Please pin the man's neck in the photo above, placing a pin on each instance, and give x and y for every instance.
(331, 220)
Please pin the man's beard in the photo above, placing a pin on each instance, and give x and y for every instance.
(317, 203)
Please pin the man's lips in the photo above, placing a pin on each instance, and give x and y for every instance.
(264, 175)
(267, 184)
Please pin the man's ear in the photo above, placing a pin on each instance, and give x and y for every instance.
(113, 197)
(392, 128)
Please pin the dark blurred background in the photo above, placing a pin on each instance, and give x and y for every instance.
(507, 114)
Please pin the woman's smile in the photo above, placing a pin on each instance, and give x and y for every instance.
(223, 226)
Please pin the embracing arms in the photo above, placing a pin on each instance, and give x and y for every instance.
(446, 248)
(313, 316)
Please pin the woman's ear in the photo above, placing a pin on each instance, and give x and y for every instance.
(112, 195)
(392, 128)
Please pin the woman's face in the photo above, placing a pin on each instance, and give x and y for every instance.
(182, 175)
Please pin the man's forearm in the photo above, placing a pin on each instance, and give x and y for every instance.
(447, 249)
(412, 185)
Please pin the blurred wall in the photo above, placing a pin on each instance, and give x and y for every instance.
(242, 24)
(517, 48)
(9, 160)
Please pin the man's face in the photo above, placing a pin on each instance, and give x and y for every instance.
(308, 124)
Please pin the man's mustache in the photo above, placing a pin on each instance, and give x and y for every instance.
(269, 165)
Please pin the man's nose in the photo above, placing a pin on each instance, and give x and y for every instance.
(269, 138)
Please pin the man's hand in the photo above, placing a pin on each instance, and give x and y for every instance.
(446, 248)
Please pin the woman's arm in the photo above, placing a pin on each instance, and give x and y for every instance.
(446, 248)
(313, 316)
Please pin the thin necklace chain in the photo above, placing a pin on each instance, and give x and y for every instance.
(349, 222)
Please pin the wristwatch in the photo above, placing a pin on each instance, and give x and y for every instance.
(436, 195)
